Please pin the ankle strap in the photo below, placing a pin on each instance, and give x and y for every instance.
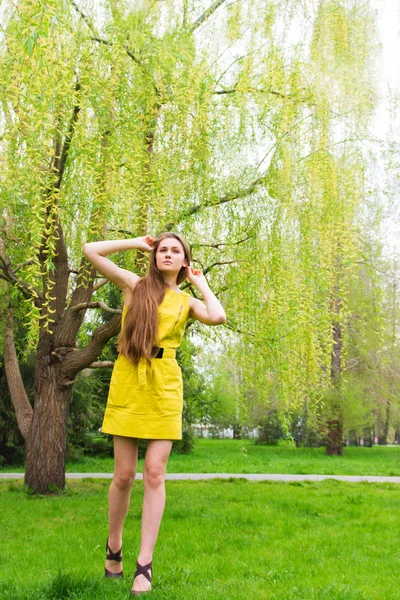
(117, 556)
(143, 570)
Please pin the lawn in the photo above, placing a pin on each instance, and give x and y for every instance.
(230, 540)
(243, 456)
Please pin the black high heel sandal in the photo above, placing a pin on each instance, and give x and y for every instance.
(143, 570)
(117, 556)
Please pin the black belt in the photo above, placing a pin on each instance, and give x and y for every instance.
(157, 352)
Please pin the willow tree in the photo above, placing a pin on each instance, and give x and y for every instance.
(130, 120)
(294, 341)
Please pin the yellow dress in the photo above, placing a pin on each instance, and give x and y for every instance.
(146, 401)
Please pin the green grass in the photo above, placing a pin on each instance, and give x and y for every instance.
(219, 540)
(236, 456)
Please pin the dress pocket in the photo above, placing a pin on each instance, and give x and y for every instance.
(172, 382)
(124, 380)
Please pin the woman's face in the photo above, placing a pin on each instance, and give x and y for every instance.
(170, 256)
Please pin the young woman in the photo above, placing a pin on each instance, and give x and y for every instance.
(146, 394)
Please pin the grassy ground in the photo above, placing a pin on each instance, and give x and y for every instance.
(230, 540)
(243, 456)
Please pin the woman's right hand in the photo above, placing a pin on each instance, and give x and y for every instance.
(147, 243)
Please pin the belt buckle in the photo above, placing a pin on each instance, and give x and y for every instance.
(157, 352)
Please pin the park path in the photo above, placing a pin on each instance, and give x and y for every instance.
(248, 476)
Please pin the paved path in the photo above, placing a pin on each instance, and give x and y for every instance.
(250, 477)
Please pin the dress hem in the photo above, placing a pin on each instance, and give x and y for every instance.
(141, 437)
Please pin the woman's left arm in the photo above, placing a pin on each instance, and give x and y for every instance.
(210, 313)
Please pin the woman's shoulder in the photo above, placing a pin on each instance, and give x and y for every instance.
(186, 296)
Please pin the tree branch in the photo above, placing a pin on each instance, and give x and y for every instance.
(207, 13)
(241, 193)
(236, 329)
(219, 244)
(124, 231)
(24, 264)
(193, 290)
(226, 262)
(72, 320)
(98, 304)
(226, 198)
(59, 164)
(19, 397)
(55, 282)
(252, 89)
(76, 360)
(96, 38)
(100, 284)
(101, 364)
(240, 58)
(28, 290)
(351, 363)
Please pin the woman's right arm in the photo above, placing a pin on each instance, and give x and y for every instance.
(97, 252)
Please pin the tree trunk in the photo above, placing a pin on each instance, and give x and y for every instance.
(334, 443)
(368, 437)
(379, 426)
(353, 438)
(382, 439)
(237, 431)
(47, 440)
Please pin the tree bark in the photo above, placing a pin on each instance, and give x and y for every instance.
(334, 443)
(353, 439)
(46, 443)
(387, 420)
(19, 398)
(43, 427)
(237, 431)
(368, 437)
(382, 438)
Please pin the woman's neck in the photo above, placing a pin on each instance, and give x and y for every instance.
(171, 282)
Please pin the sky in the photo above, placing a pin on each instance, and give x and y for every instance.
(388, 21)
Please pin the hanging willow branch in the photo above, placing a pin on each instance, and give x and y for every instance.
(96, 38)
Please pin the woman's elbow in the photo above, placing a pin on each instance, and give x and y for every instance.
(220, 319)
(86, 249)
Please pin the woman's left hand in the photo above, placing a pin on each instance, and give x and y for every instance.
(195, 276)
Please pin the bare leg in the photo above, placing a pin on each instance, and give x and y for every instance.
(154, 469)
(125, 466)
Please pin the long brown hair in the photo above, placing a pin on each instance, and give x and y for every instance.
(139, 333)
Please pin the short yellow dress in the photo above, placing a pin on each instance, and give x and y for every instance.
(146, 401)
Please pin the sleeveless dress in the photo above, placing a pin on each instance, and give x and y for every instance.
(146, 401)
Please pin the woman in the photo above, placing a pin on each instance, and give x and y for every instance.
(146, 395)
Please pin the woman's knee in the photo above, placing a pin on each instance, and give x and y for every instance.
(124, 479)
(154, 475)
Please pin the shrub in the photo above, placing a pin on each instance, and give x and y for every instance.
(271, 430)
(186, 444)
